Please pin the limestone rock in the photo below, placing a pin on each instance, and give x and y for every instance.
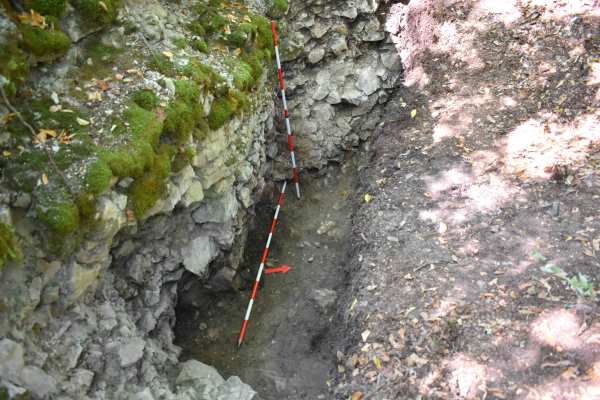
(194, 194)
(217, 210)
(11, 359)
(198, 254)
(131, 351)
(367, 81)
(37, 381)
(316, 55)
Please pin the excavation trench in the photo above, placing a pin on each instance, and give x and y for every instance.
(288, 350)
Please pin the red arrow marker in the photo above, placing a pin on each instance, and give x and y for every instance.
(282, 269)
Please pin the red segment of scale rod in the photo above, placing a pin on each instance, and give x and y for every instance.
(286, 113)
(261, 267)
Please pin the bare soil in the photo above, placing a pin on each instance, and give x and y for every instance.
(287, 353)
(477, 237)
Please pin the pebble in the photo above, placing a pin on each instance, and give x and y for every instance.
(311, 259)
(393, 239)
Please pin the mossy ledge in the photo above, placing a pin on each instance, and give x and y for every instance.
(150, 138)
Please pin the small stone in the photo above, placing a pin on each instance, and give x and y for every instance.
(198, 254)
(316, 55)
(37, 381)
(11, 359)
(131, 351)
(311, 259)
(324, 298)
(393, 239)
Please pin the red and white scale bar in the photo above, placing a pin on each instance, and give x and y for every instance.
(261, 267)
(286, 113)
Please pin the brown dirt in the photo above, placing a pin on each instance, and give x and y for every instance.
(483, 224)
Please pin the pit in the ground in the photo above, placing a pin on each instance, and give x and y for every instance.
(287, 353)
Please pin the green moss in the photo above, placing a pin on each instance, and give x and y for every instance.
(145, 191)
(201, 130)
(222, 110)
(56, 210)
(200, 45)
(97, 177)
(10, 249)
(98, 12)
(146, 99)
(197, 28)
(14, 65)
(255, 61)
(242, 74)
(264, 39)
(135, 145)
(179, 121)
(280, 5)
(45, 45)
(180, 43)
(55, 8)
(183, 158)
(86, 204)
(162, 64)
(183, 112)
(202, 74)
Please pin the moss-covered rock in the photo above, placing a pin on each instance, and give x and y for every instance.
(134, 150)
(14, 65)
(98, 12)
(10, 249)
(145, 191)
(55, 8)
(146, 99)
(98, 176)
(162, 64)
(222, 110)
(200, 45)
(45, 45)
(56, 209)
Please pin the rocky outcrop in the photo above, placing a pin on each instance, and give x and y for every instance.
(95, 321)
(340, 68)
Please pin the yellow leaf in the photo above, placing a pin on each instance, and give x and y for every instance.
(33, 18)
(227, 30)
(103, 5)
(377, 362)
(6, 153)
(168, 54)
(368, 198)
(44, 179)
(413, 114)
(357, 396)
(82, 121)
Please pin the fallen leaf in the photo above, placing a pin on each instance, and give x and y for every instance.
(413, 114)
(377, 362)
(94, 96)
(365, 335)
(368, 198)
(357, 396)
(102, 85)
(103, 5)
(6, 153)
(33, 18)
(82, 121)
(167, 54)
(55, 108)
(44, 179)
